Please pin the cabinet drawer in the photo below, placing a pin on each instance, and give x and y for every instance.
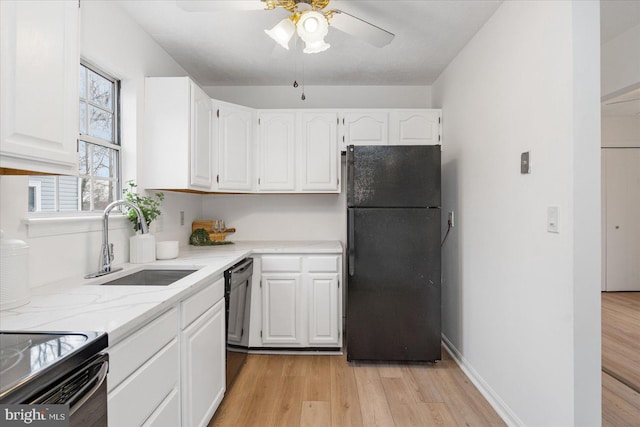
(167, 414)
(133, 401)
(129, 354)
(282, 263)
(194, 306)
(322, 264)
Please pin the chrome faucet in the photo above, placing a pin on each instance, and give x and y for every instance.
(106, 252)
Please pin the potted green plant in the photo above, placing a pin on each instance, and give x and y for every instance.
(142, 247)
(149, 205)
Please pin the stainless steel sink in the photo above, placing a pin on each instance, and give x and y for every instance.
(151, 277)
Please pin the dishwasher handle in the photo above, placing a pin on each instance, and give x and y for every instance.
(241, 268)
(351, 243)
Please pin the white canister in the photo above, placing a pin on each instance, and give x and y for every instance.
(168, 249)
(14, 273)
(142, 248)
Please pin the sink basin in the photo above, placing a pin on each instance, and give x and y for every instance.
(155, 277)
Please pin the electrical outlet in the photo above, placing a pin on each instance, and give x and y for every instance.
(451, 219)
(181, 217)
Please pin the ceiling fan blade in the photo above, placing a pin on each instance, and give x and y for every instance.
(361, 29)
(219, 5)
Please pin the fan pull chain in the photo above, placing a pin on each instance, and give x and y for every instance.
(303, 97)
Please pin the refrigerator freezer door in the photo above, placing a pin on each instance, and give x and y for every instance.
(393, 176)
(393, 305)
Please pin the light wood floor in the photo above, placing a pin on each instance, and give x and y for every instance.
(319, 390)
(315, 390)
(621, 336)
(621, 359)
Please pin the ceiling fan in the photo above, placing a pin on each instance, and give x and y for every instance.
(310, 19)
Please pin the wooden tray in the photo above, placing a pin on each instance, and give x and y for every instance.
(208, 226)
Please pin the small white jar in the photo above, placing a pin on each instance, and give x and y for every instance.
(167, 250)
(142, 248)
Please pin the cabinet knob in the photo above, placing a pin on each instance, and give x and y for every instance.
(617, 227)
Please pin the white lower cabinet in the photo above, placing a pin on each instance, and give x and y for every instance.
(167, 414)
(323, 308)
(203, 365)
(301, 300)
(144, 371)
(171, 372)
(282, 321)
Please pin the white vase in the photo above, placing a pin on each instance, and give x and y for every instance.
(142, 248)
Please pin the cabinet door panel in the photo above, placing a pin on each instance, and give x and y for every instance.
(323, 309)
(277, 167)
(200, 140)
(235, 139)
(366, 128)
(203, 380)
(282, 309)
(39, 86)
(415, 127)
(319, 160)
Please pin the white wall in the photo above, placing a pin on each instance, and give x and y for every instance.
(511, 295)
(324, 96)
(110, 40)
(621, 63)
(281, 217)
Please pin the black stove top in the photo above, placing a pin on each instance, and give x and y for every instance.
(29, 360)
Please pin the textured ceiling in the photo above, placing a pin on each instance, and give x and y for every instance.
(229, 47)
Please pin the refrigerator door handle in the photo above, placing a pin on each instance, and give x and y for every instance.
(351, 242)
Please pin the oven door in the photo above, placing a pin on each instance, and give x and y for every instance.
(85, 391)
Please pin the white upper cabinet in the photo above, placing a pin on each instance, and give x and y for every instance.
(201, 138)
(276, 151)
(39, 64)
(235, 139)
(365, 128)
(415, 127)
(178, 137)
(319, 156)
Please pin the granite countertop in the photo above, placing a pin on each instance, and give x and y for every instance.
(78, 304)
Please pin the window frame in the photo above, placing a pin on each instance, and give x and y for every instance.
(115, 145)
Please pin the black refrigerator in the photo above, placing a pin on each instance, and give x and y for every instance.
(393, 246)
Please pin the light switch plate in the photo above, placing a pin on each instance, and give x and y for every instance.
(552, 219)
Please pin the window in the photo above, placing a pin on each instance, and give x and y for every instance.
(98, 181)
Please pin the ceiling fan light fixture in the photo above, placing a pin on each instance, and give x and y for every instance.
(282, 32)
(316, 47)
(312, 27)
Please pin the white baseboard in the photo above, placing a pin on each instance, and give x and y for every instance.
(503, 410)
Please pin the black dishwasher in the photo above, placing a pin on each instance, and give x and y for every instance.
(237, 293)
